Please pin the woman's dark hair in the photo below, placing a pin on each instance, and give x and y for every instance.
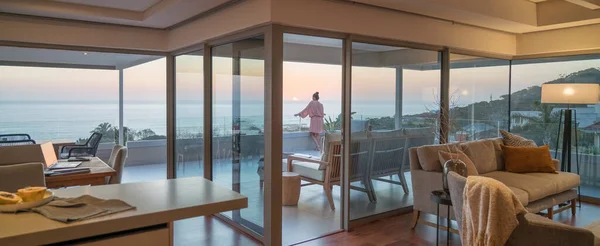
(316, 95)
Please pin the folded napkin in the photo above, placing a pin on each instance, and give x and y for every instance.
(80, 208)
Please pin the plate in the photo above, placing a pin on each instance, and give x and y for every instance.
(11, 208)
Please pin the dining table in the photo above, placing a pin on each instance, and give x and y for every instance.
(99, 171)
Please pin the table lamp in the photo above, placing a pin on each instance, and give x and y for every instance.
(569, 93)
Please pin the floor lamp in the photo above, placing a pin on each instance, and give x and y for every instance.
(569, 94)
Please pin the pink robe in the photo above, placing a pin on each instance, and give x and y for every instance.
(314, 110)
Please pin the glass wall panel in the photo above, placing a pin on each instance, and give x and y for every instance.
(478, 97)
(145, 121)
(312, 64)
(540, 121)
(395, 105)
(238, 125)
(59, 104)
(189, 108)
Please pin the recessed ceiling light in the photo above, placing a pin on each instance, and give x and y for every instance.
(85, 53)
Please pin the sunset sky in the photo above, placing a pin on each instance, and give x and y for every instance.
(301, 80)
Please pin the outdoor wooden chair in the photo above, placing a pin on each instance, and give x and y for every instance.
(327, 170)
(387, 159)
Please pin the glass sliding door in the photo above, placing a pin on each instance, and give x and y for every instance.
(145, 121)
(312, 64)
(478, 97)
(395, 106)
(238, 125)
(189, 105)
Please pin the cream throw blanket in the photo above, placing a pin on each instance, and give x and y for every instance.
(489, 212)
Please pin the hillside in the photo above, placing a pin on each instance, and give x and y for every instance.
(522, 100)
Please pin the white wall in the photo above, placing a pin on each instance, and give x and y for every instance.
(57, 32)
(237, 17)
(336, 16)
(576, 39)
(371, 21)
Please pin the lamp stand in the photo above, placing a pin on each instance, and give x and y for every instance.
(565, 162)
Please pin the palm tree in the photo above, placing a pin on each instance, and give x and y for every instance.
(103, 128)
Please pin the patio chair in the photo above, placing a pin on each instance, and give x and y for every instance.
(387, 159)
(14, 137)
(78, 150)
(326, 171)
(188, 149)
(16, 142)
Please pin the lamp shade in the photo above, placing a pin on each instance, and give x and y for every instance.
(571, 93)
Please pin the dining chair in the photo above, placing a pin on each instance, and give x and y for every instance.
(116, 161)
(18, 176)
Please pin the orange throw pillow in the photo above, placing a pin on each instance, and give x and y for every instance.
(528, 159)
(445, 156)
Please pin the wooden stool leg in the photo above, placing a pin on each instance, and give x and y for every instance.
(573, 206)
(550, 212)
(415, 218)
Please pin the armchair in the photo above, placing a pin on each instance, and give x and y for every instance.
(326, 171)
(77, 150)
(532, 229)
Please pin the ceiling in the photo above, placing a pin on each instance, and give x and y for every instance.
(143, 13)
(514, 16)
(15, 56)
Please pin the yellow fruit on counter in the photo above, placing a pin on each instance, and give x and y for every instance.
(32, 194)
(9, 198)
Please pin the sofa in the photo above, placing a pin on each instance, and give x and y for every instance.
(532, 229)
(536, 191)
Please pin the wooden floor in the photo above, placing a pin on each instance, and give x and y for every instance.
(396, 230)
(389, 231)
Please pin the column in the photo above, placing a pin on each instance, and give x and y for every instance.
(121, 127)
(398, 104)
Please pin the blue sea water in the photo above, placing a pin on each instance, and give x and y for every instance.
(47, 120)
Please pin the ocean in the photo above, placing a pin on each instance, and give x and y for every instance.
(47, 120)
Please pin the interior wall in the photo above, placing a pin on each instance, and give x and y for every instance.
(236, 17)
(371, 21)
(59, 32)
(576, 39)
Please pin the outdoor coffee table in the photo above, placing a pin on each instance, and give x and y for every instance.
(290, 186)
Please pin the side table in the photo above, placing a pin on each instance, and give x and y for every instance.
(440, 197)
(290, 186)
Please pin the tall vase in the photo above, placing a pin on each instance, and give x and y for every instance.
(454, 165)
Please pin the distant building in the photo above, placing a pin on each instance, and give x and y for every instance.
(585, 116)
(521, 118)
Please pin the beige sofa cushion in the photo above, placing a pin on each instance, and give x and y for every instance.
(521, 194)
(428, 156)
(563, 181)
(536, 187)
(482, 153)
